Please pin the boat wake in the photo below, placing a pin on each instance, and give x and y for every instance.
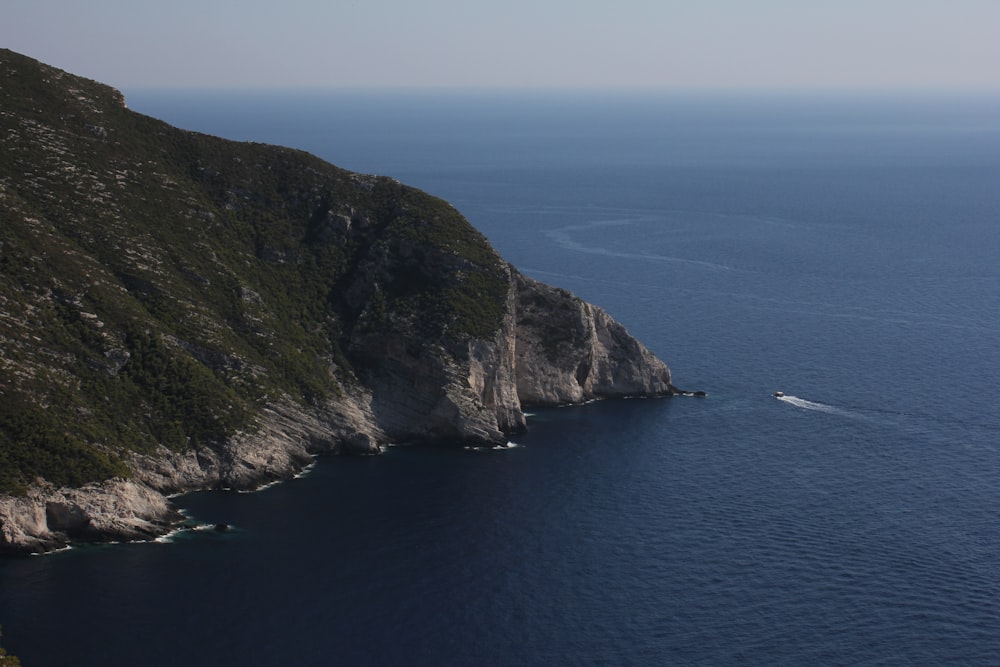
(949, 430)
(564, 237)
(811, 405)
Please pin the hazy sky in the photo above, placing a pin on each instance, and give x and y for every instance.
(550, 43)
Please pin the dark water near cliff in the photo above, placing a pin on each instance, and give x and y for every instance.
(842, 250)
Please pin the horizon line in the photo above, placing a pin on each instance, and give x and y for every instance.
(779, 90)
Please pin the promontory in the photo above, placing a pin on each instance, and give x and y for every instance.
(180, 312)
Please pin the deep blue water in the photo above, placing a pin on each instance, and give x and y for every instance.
(841, 249)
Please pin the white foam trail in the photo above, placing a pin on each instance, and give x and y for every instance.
(68, 547)
(168, 538)
(563, 237)
(305, 471)
(508, 445)
(811, 405)
(262, 487)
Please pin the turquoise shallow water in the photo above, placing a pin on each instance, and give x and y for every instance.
(843, 251)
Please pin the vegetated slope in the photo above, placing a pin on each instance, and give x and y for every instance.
(169, 301)
(159, 285)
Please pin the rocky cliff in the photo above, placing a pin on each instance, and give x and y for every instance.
(180, 312)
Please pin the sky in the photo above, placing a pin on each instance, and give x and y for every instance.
(673, 44)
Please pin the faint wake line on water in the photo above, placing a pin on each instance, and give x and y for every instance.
(562, 238)
(897, 420)
(872, 415)
(652, 214)
(867, 413)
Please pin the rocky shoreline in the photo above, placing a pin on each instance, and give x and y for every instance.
(593, 358)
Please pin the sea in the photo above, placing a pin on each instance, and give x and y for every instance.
(840, 248)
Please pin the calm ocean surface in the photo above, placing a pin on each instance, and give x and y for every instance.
(843, 250)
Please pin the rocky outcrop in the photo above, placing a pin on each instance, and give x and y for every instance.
(46, 519)
(180, 312)
(436, 388)
(569, 351)
(286, 438)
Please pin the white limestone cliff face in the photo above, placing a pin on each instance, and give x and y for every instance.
(435, 390)
(288, 438)
(118, 510)
(569, 351)
(551, 349)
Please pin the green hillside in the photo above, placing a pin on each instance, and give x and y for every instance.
(159, 286)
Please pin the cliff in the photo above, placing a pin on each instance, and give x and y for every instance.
(180, 312)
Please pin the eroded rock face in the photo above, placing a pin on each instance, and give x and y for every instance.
(569, 351)
(437, 389)
(287, 440)
(118, 510)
